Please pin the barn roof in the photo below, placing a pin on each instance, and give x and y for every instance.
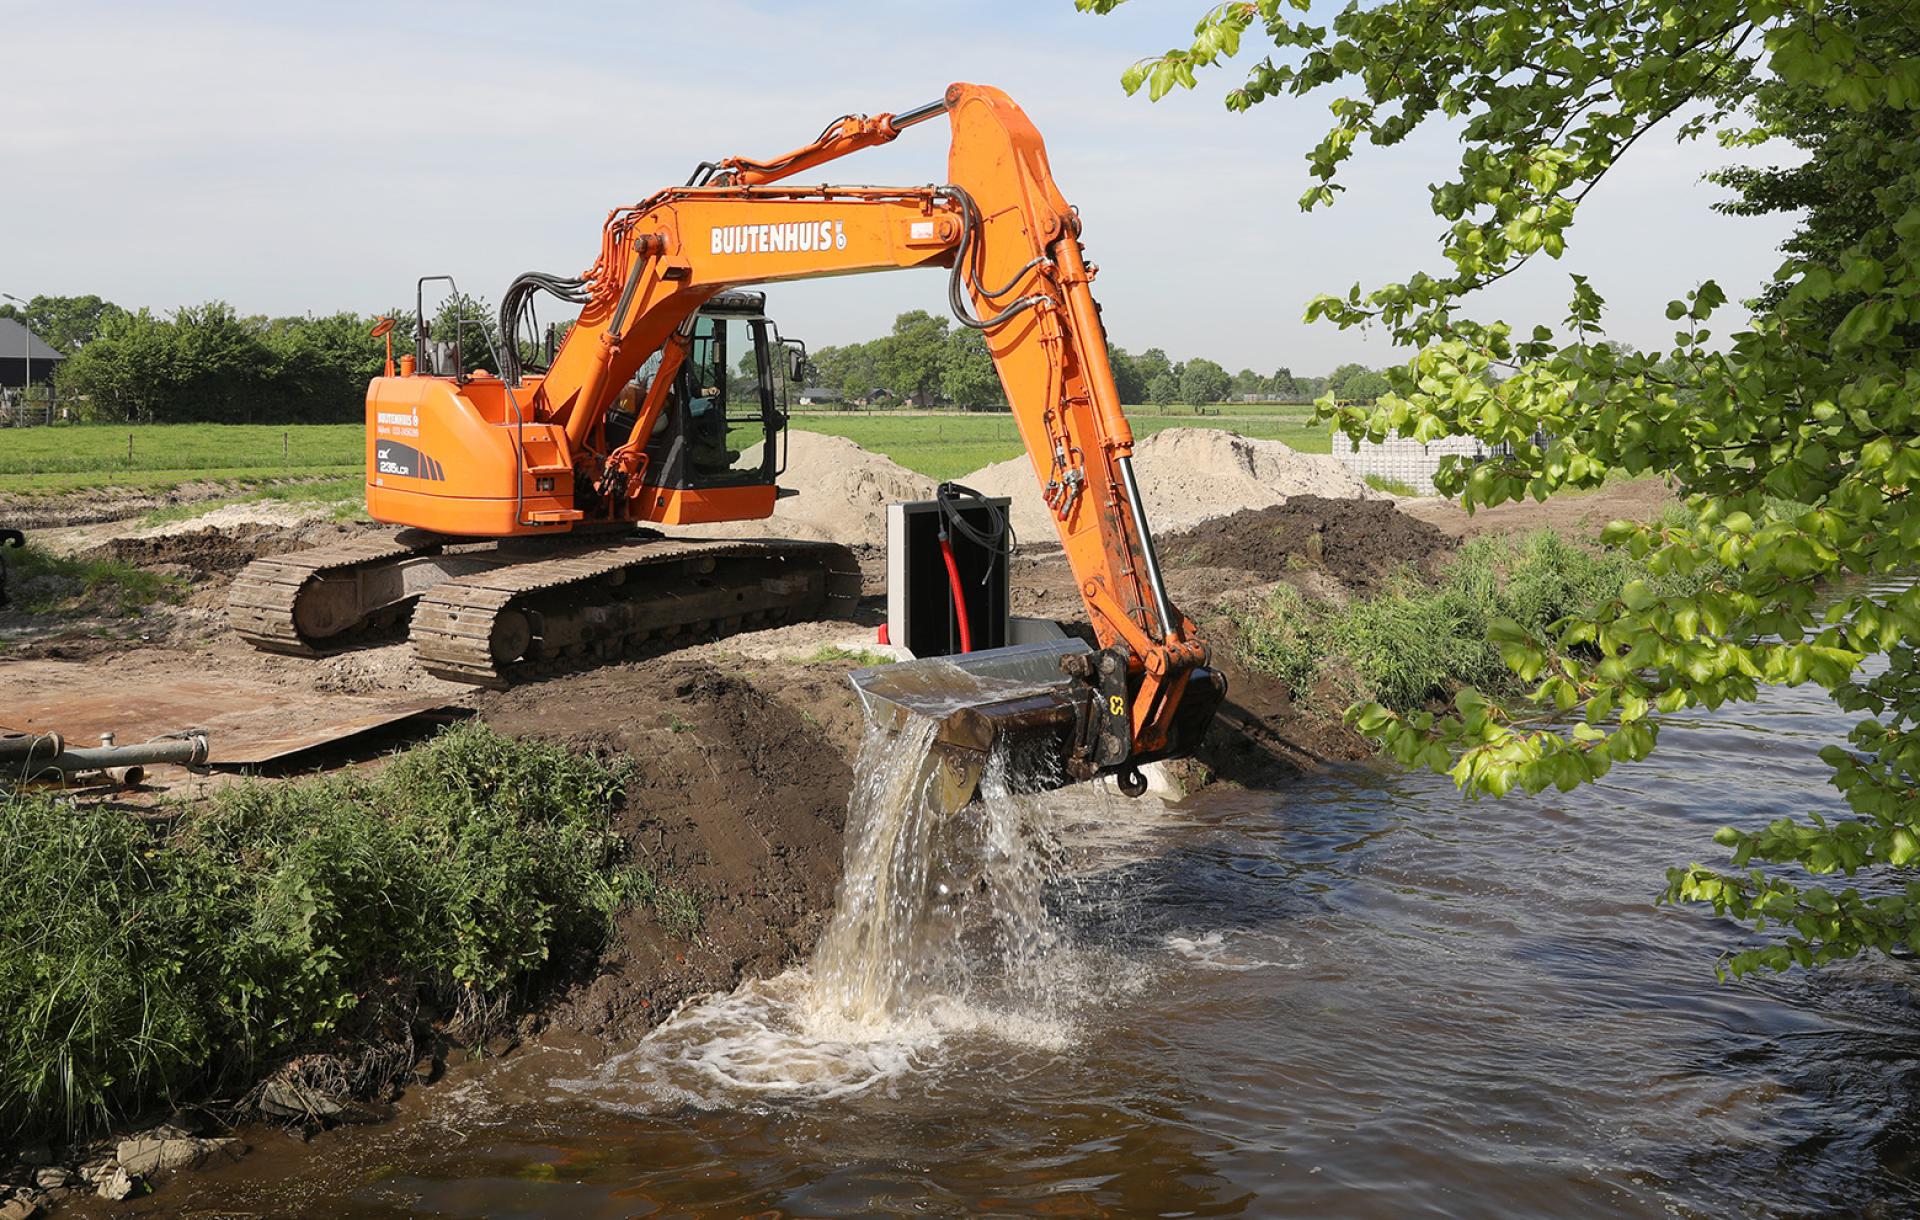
(19, 343)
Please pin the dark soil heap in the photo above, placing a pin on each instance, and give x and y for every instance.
(1359, 542)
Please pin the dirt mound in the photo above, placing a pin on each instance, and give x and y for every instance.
(1188, 475)
(843, 495)
(215, 551)
(740, 796)
(1360, 542)
(245, 515)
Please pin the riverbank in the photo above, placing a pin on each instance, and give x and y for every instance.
(741, 749)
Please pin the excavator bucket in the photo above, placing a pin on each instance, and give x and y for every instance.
(1016, 697)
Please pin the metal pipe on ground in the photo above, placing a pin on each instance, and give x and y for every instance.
(36, 754)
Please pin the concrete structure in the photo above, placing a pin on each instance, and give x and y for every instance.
(1408, 461)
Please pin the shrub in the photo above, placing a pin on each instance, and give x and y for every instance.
(136, 964)
(1415, 641)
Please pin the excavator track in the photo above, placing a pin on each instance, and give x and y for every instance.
(596, 604)
(263, 602)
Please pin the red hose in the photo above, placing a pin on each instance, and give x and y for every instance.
(959, 594)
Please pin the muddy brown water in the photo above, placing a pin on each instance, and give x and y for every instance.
(1357, 996)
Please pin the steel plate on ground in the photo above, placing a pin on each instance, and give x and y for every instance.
(247, 723)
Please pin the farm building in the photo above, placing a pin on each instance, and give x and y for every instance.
(24, 357)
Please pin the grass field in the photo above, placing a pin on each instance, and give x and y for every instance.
(946, 445)
(70, 458)
(939, 444)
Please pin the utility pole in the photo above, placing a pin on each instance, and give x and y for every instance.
(26, 351)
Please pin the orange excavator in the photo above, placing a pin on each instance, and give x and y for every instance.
(526, 493)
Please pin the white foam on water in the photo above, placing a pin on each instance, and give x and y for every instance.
(941, 943)
(1215, 950)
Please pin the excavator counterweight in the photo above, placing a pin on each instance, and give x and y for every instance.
(528, 495)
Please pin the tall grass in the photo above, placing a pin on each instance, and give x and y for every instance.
(139, 966)
(1415, 641)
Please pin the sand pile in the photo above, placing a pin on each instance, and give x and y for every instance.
(276, 513)
(1188, 475)
(844, 492)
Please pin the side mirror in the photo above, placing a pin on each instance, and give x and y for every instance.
(797, 366)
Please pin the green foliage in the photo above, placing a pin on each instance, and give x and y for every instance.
(1416, 641)
(1357, 383)
(1202, 381)
(968, 378)
(206, 362)
(1163, 390)
(474, 322)
(912, 359)
(65, 324)
(1127, 377)
(137, 964)
(1814, 397)
(43, 582)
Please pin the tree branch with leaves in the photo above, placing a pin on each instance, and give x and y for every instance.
(1795, 437)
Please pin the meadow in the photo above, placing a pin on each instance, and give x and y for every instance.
(939, 444)
(68, 458)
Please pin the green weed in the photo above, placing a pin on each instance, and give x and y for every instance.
(138, 966)
(42, 582)
(1415, 641)
(1393, 487)
(828, 654)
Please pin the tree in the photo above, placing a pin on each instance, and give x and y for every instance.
(1127, 378)
(911, 359)
(1356, 383)
(968, 378)
(64, 323)
(1246, 381)
(851, 371)
(475, 322)
(1164, 391)
(1151, 364)
(206, 363)
(1283, 384)
(1796, 439)
(1203, 381)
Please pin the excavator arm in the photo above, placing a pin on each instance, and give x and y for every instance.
(1010, 245)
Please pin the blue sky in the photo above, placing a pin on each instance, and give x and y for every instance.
(310, 158)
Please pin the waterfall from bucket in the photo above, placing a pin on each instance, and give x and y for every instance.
(935, 907)
(941, 936)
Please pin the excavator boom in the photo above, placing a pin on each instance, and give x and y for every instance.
(532, 453)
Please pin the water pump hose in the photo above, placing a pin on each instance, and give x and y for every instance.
(959, 592)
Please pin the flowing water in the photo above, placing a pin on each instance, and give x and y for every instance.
(1355, 996)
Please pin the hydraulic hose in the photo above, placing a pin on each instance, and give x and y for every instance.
(959, 592)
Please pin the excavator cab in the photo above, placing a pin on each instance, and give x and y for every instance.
(725, 420)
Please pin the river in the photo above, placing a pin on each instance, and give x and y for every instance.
(1357, 996)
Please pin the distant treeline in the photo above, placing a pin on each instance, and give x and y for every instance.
(211, 364)
(927, 362)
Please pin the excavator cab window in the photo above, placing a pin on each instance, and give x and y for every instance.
(726, 416)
